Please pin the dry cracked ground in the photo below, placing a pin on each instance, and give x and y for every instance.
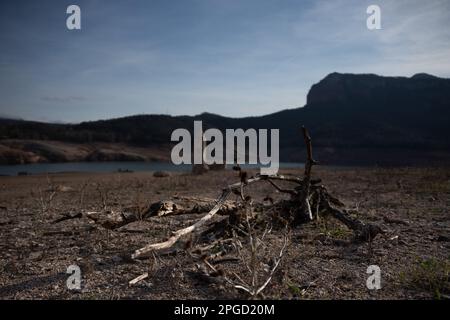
(411, 204)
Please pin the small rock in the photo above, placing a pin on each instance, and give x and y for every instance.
(36, 255)
(161, 174)
(65, 189)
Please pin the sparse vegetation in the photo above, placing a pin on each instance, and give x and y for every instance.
(33, 248)
(429, 274)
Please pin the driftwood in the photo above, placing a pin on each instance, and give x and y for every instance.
(137, 279)
(113, 219)
(116, 219)
(305, 197)
(143, 252)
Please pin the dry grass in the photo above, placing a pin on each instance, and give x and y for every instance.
(431, 275)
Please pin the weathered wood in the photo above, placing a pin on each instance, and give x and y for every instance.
(137, 279)
(363, 232)
(307, 176)
(143, 252)
(69, 216)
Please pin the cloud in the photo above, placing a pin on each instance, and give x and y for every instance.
(415, 36)
(233, 57)
(64, 99)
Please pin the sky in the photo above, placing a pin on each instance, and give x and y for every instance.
(184, 57)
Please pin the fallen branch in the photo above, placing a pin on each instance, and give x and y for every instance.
(363, 232)
(143, 252)
(138, 279)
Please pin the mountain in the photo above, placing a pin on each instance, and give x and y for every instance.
(353, 119)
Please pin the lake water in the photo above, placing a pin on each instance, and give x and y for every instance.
(40, 168)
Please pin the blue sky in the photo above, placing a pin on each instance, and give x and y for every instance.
(231, 57)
